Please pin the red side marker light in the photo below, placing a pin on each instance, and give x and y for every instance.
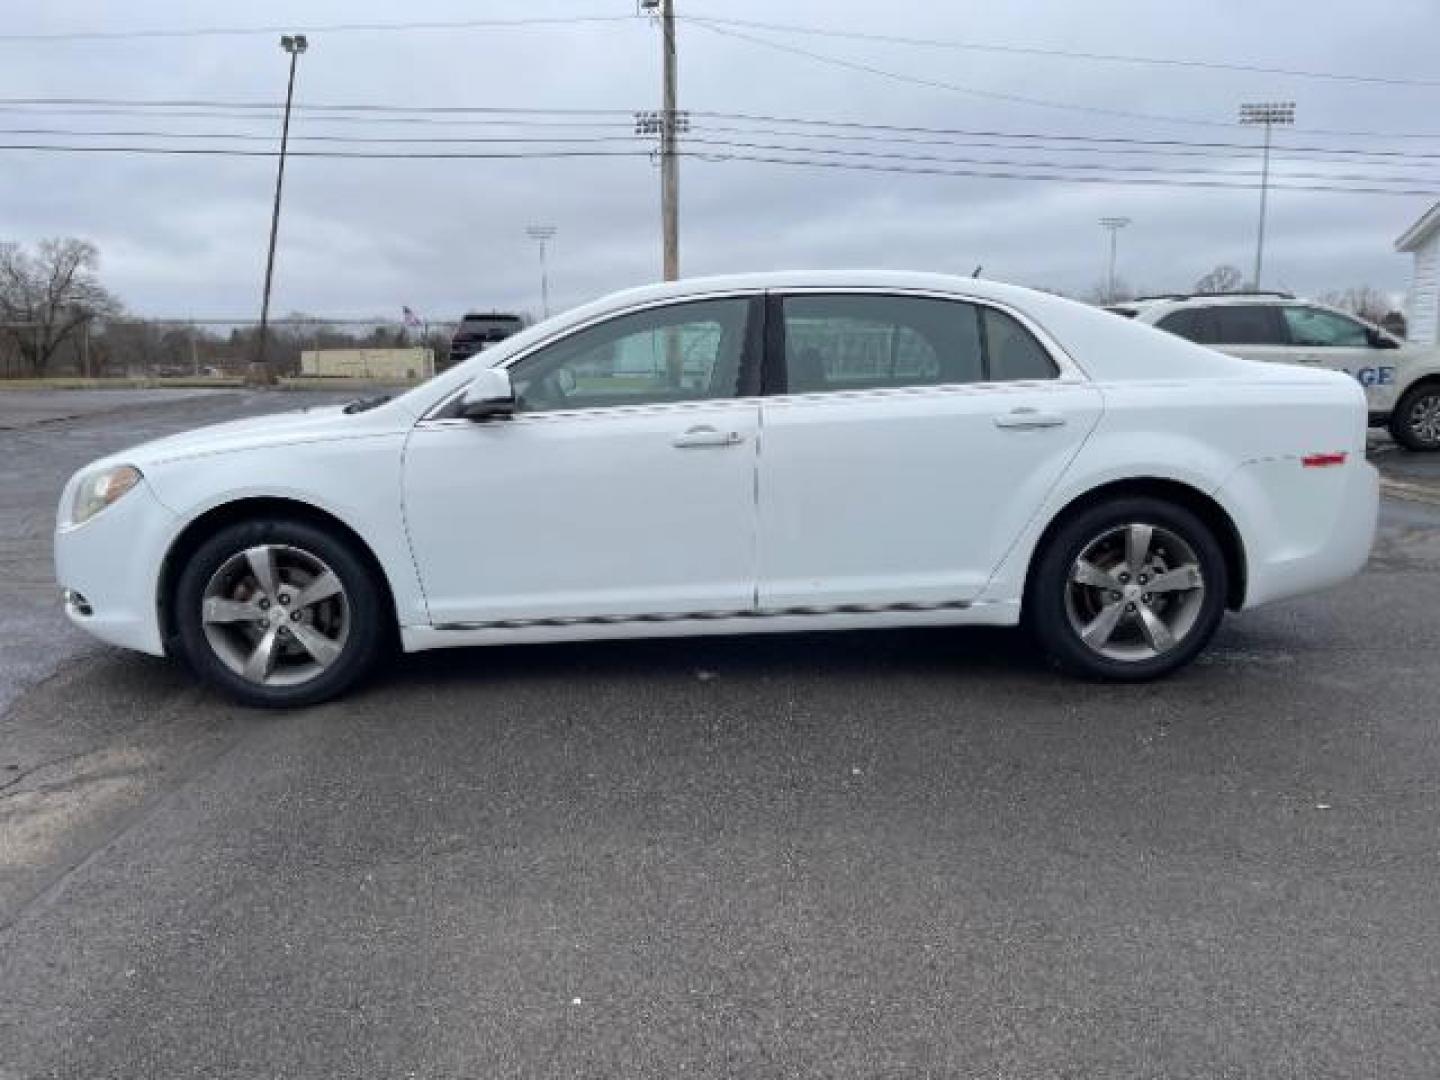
(1322, 461)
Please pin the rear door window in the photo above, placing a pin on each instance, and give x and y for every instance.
(1249, 324)
(874, 342)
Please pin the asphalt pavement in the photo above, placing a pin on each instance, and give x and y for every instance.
(856, 854)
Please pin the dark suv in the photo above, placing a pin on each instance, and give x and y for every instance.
(479, 330)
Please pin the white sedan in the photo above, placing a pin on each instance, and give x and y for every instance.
(735, 455)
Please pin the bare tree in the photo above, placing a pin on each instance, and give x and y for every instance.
(47, 296)
(1363, 300)
(1222, 279)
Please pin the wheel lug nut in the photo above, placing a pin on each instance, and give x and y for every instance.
(285, 597)
(1130, 606)
(1124, 578)
(264, 605)
(1114, 596)
(1146, 598)
(294, 616)
(1143, 580)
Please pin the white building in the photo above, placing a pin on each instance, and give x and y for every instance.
(1422, 306)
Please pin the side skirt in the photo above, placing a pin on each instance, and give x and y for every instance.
(776, 621)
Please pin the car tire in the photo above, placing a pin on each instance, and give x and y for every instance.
(1088, 604)
(1415, 423)
(280, 613)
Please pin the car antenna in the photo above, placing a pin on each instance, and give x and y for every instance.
(976, 271)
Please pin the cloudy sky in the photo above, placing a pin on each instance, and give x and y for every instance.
(184, 235)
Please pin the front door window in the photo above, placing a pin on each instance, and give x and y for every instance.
(682, 352)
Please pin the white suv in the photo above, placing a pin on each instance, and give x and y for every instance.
(1401, 381)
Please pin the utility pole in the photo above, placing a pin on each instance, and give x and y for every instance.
(1267, 113)
(667, 124)
(540, 234)
(1114, 225)
(669, 164)
(260, 373)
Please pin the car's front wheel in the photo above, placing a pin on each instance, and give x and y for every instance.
(1415, 423)
(1130, 589)
(279, 613)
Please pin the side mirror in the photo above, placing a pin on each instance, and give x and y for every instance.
(1378, 340)
(489, 397)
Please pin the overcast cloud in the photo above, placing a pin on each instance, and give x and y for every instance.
(186, 235)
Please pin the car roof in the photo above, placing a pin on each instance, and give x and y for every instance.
(1170, 303)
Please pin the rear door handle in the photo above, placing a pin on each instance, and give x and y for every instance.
(705, 435)
(1025, 418)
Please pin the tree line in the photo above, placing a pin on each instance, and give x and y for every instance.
(56, 316)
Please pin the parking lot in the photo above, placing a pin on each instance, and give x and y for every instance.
(883, 853)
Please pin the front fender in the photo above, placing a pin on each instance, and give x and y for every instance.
(355, 481)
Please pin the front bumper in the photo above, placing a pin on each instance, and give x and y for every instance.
(110, 565)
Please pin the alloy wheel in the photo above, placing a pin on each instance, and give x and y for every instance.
(1135, 592)
(1425, 418)
(276, 615)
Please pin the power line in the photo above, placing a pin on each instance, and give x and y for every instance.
(252, 137)
(1010, 162)
(1015, 175)
(1062, 54)
(380, 111)
(1018, 172)
(1241, 152)
(1016, 99)
(216, 151)
(269, 106)
(936, 84)
(422, 140)
(1214, 151)
(218, 114)
(332, 28)
(863, 125)
(787, 28)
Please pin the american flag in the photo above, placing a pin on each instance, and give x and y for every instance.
(411, 319)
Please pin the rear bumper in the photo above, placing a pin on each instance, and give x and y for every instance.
(1304, 529)
(110, 566)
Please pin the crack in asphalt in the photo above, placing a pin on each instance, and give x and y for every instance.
(33, 769)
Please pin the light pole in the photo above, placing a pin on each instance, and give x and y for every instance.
(260, 372)
(540, 234)
(1267, 113)
(1114, 225)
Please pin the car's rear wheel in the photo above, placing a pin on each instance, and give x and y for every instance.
(1415, 423)
(279, 613)
(1130, 589)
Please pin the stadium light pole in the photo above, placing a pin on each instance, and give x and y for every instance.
(260, 373)
(1114, 225)
(540, 234)
(1267, 114)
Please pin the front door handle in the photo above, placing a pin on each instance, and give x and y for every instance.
(1025, 418)
(705, 435)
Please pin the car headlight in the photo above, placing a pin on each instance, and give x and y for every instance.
(98, 490)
